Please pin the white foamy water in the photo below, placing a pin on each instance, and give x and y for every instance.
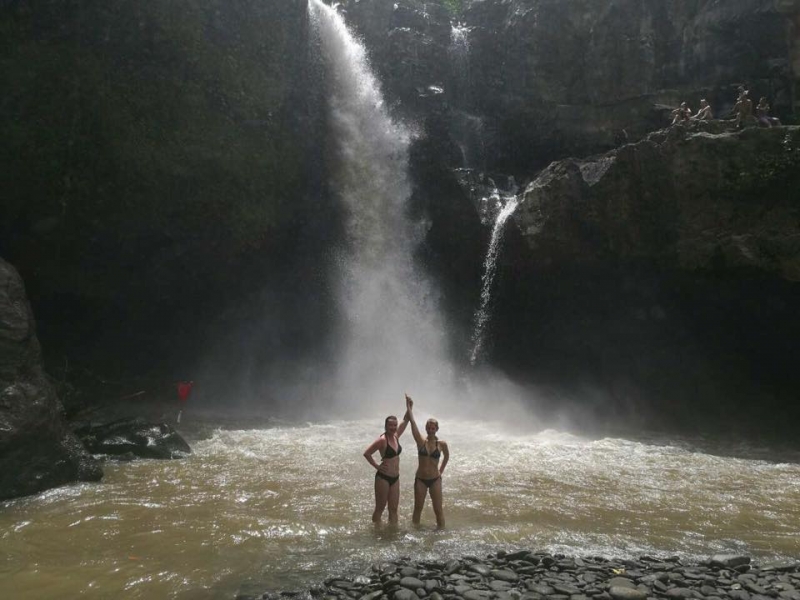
(287, 506)
(393, 336)
(483, 314)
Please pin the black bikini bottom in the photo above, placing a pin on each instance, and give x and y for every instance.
(428, 482)
(391, 480)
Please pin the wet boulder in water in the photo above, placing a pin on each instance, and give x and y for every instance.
(37, 449)
(136, 436)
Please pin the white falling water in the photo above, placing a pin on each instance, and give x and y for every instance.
(483, 314)
(466, 128)
(393, 337)
(459, 50)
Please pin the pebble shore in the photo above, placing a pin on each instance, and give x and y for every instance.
(525, 575)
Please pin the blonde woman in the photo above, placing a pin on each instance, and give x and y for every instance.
(428, 481)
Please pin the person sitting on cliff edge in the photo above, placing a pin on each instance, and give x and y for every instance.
(743, 110)
(681, 114)
(762, 114)
(704, 113)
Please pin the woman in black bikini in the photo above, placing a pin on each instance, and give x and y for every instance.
(429, 473)
(387, 473)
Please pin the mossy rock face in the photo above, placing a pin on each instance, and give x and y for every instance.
(153, 151)
(680, 199)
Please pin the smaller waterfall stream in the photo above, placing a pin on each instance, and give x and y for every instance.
(459, 51)
(483, 314)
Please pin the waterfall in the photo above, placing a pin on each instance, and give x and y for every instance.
(467, 129)
(483, 314)
(393, 337)
(459, 52)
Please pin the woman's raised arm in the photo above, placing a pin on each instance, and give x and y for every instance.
(404, 424)
(414, 429)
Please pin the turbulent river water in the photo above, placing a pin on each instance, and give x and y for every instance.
(285, 505)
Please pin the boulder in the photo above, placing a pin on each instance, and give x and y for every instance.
(136, 436)
(678, 199)
(37, 449)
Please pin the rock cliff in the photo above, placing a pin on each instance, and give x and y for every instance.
(678, 200)
(655, 282)
(37, 449)
(535, 80)
(162, 165)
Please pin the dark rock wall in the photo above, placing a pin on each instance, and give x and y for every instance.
(659, 278)
(37, 449)
(551, 78)
(162, 162)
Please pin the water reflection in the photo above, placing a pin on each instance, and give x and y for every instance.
(288, 505)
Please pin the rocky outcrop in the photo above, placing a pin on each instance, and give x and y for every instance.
(37, 449)
(134, 438)
(678, 200)
(654, 283)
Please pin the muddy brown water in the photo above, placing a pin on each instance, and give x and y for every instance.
(284, 506)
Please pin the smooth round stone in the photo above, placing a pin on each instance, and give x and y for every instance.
(505, 575)
(729, 560)
(411, 583)
(621, 582)
(518, 555)
(409, 572)
(499, 586)
(540, 588)
(478, 595)
(480, 569)
(623, 592)
(405, 594)
(566, 589)
(679, 592)
(462, 589)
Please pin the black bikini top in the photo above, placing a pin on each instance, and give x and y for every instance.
(423, 451)
(390, 452)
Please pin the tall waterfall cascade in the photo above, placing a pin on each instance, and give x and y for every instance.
(393, 337)
(508, 203)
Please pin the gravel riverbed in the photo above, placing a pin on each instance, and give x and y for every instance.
(527, 575)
